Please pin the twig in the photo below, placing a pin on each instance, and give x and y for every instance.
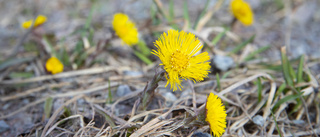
(131, 95)
(194, 101)
(70, 117)
(55, 114)
(306, 109)
(23, 108)
(267, 112)
(121, 121)
(68, 94)
(64, 75)
(30, 91)
(232, 87)
(208, 15)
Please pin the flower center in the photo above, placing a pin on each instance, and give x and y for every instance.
(179, 61)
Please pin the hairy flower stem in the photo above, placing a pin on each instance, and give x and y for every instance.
(148, 92)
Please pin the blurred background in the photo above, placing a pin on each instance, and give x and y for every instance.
(277, 22)
(80, 34)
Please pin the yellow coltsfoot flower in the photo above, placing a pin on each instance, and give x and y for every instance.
(242, 11)
(176, 51)
(54, 66)
(125, 29)
(39, 21)
(216, 115)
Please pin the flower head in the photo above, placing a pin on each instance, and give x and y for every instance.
(39, 21)
(242, 11)
(54, 66)
(125, 29)
(176, 51)
(216, 115)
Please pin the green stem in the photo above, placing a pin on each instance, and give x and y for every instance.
(144, 48)
(142, 57)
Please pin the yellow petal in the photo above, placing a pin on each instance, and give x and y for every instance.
(27, 24)
(40, 20)
(242, 11)
(54, 66)
(176, 50)
(216, 115)
(125, 29)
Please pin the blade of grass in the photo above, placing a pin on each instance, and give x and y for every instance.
(258, 51)
(226, 75)
(300, 70)
(208, 15)
(286, 99)
(285, 67)
(186, 12)
(296, 106)
(14, 61)
(259, 89)
(66, 112)
(144, 48)
(90, 37)
(299, 79)
(281, 88)
(14, 75)
(292, 72)
(107, 118)
(219, 36)
(279, 3)
(242, 45)
(171, 10)
(201, 14)
(168, 17)
(65, 57)
(160, 9)
(218, 82)
(49, 45)
(143, 57)
(272, 67)
(48, 107)
(89, 19)
(153, 13)
(81, 59)
(275, 121)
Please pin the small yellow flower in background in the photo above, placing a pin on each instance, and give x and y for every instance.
(27, 24)
(125, 29)
(39, 21)
(176, 51)
(242, 11)
(54, 66)
(216, 115)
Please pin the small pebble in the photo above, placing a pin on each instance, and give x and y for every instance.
(258, 120)
(169, 96)
(186, 93)
(200, 134)
(123, 90)
(3, 126)
(132, 73)
(223, 63)
(298, 122)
